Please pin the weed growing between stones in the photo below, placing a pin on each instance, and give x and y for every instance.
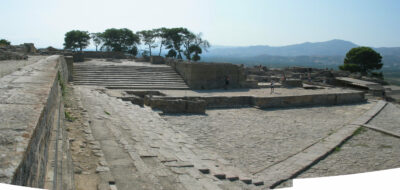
(61, 82)
(106, 112)
(382, 146)
(69, 117)
(359, 131)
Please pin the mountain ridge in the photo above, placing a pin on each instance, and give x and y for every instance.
(312, 54)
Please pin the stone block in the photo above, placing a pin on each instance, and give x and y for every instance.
(196, 107)
(292, 83)
(157, 60)
(70, 66)
(78, 57)
(348, 98)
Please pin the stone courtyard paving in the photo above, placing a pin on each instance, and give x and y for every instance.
(9, 66)
(254, 139)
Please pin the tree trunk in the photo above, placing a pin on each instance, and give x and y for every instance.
(159, 54)
(150, 49)
(179, 54)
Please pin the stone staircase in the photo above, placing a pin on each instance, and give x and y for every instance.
(128, 77)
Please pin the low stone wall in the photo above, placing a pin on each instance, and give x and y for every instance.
(209, 75)
(199, 104)
(309, 100)
(157, 60)
(291, 83)
(29, 104)
(175, 105)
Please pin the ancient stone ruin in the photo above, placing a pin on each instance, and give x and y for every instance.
(121, 123)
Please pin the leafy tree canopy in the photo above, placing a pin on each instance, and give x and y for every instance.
(362, 59)
(181, 40)
(4, 42)
(97, 39)
(122, 40)
(76, 39)
(148, 37)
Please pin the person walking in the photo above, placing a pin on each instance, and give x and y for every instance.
(226, 82)
(272, 86)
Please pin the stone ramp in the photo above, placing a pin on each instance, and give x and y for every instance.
(128, 77)
(143, 151)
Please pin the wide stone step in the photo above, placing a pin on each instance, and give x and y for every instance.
(129, 80)
(128, 77)
(132, 76)
(131, 84)
(122, 69)
(148, 87)
(115, 72)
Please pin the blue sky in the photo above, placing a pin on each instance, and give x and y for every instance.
(373, 23)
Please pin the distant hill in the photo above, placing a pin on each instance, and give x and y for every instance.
(320, 54)
(329, 48)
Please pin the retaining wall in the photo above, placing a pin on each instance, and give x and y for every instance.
(29, 104)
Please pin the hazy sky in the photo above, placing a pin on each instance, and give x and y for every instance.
(223, 22)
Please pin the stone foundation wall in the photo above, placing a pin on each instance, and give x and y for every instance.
(309, 100)
(29, 104)
(200, 104)
(209, 75)
(157, 60)
(174, 105)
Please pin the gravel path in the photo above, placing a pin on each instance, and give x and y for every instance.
(253, 139)
(9, 66)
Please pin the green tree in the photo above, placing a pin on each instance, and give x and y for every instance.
(4, 42)
(76, 39)
(121, 40)
(97, 39)
(162, 36)
(194, 45)
(148, 37)
(175, 39)
(363, 60)
(171, 53)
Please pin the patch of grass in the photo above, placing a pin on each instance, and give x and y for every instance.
(106, 112)
(382, 146)
(337, 149)
(61, 82)
(359, 131)
(69, 117)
